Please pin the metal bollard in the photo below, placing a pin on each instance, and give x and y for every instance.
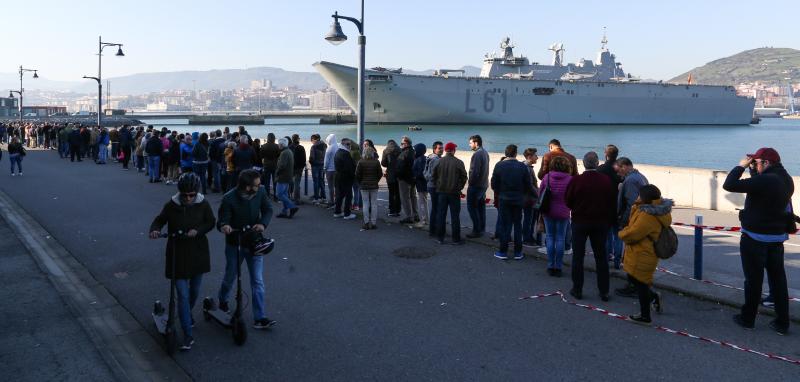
(698, 247)
(305, 170)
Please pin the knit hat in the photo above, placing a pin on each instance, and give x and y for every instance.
(450, 147)
(767, 153)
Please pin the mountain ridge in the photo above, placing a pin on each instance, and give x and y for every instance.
(766, 64)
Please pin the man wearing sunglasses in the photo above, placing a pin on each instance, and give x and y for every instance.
(245, 205)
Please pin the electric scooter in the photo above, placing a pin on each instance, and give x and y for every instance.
(230, 320)
(165, 319)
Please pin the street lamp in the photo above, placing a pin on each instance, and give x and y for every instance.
(21, 90)
(335, 36)
(99, 77)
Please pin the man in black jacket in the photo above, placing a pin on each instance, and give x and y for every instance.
(299, 165)
(613, 243)
(766, 218)
(215, 150)
(316, 158)
(345, 176)
(74, 140)
(405, 176)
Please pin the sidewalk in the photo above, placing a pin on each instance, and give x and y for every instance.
(39, 328)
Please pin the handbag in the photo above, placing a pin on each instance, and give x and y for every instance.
(543, 202)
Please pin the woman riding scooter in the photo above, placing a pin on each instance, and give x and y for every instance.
(187, 212)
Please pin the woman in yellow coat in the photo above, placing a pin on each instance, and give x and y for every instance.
(649, 215)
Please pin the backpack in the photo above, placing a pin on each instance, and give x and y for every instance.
(667, 243)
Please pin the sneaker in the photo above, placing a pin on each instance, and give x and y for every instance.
(440, 241)
(628, 291)
(20, 173)
(457, 242)
(264, 323)
(365, 226)
(568, 252)
(356, 208)
(293, 211)
(419, 225)
(657, 302)
(13, 174)
(223, 306)
(529, 244)
(332, 206)
(639, 319)
(406, 221)
(542, 250)
(519, 256)
(778, 328)
(575, 293)
(604, 297)
(187, 343)
(739, 320)
(338, 215)
(501, 255)
(768, 302)
(372, 226)
(349, 217)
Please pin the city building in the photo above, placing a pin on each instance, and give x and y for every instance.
(8, 107)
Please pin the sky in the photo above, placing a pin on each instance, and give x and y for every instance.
(653, 40)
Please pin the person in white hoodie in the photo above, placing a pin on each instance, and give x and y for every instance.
(328, 166)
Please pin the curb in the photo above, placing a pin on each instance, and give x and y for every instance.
(129, 351)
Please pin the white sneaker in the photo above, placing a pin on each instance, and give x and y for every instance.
(568, 252)
(13, 174)
(338, 215)
(542, 250)
(349, 217)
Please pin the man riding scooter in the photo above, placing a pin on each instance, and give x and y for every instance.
(188, 217)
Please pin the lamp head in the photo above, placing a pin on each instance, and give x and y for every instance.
(119, 52)
(335, 36)
(10, 94)
(35, 75)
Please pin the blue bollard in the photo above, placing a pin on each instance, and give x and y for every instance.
(305, 170)
(698, 247)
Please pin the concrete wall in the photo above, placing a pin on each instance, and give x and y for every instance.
(689, 187)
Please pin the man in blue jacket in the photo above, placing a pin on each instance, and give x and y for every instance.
(511, 182)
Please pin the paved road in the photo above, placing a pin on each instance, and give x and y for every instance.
(348, 308)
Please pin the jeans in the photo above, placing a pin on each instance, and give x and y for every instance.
(187, 291)
(614, 245)
(394, 197)
(596, 233)
(255, 267)
(476, 207)
(450, 201)
(357, 195)
(556, 232)
(510, 214)
(269, 182)
(370, 208)
(216, 176)
(530, 217)
(434, 212)
(15, 158)
(756, 256)
(201, 169)
(344, 196)
(318, 179)
(422, 206)
(298, 176)
(283, 195)
(407, 200)
(102, 153)
(330, 177)
(153, 167)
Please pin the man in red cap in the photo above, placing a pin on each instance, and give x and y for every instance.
(766, 219)
(449, 176)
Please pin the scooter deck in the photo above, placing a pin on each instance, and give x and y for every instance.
(161, 322)
(219, 316)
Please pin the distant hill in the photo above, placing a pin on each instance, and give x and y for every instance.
(208, 79)
(771, 65)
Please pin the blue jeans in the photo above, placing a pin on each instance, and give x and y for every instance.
(614, 245)
(153, 167)
(15, 158)
(187, 291)
(318, 178)
(216, 175)
(356, 195)
(432, 220)
(201, 169)
(255, 267)
(452, 202)
(556, 236)
(283, 195)
(476, 207)
(510, 214)
(102, 153)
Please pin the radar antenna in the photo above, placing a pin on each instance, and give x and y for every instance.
(558, 54)
(604, 41)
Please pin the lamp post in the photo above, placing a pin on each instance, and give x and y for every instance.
(99, 77)
(21, 90)
(335, 36)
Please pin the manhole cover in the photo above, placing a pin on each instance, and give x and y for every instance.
(414, 252)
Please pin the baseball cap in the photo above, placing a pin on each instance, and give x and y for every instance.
(450, 146)
(767, 153)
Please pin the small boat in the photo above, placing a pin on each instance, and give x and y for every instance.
(414, 128)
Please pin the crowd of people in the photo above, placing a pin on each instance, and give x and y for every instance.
(610, 204)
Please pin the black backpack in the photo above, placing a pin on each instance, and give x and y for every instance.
(667, 243)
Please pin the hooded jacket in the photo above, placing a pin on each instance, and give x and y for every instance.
(330, 152)
(192, 254)
(316, 156)
(238, 211)
(418, 168)
(269, 153)
(645, 225)
(558, 182)
(768, 195)
(186, 155)
(405, 164)
(299, 158)
(345, 166)
(389, 161)
(285, 168)
(368, 173)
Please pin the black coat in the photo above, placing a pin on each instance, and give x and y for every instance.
(405, 165)
(345, 166)
(192, 253)
(768, 196)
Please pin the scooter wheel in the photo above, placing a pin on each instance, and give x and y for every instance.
(171, 342)
(239, 332)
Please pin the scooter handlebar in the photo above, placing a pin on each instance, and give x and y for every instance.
(176, 234)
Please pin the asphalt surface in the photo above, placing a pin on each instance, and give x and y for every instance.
(40, 338)
(348, 308)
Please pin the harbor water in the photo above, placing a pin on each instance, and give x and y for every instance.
(710, 147)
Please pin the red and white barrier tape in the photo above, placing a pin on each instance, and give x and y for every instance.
(718, 227)
(669, 272)
(665, 329)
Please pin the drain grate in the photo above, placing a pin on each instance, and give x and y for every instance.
(414, 252)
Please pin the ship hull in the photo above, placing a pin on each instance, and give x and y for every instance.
(394, 98)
